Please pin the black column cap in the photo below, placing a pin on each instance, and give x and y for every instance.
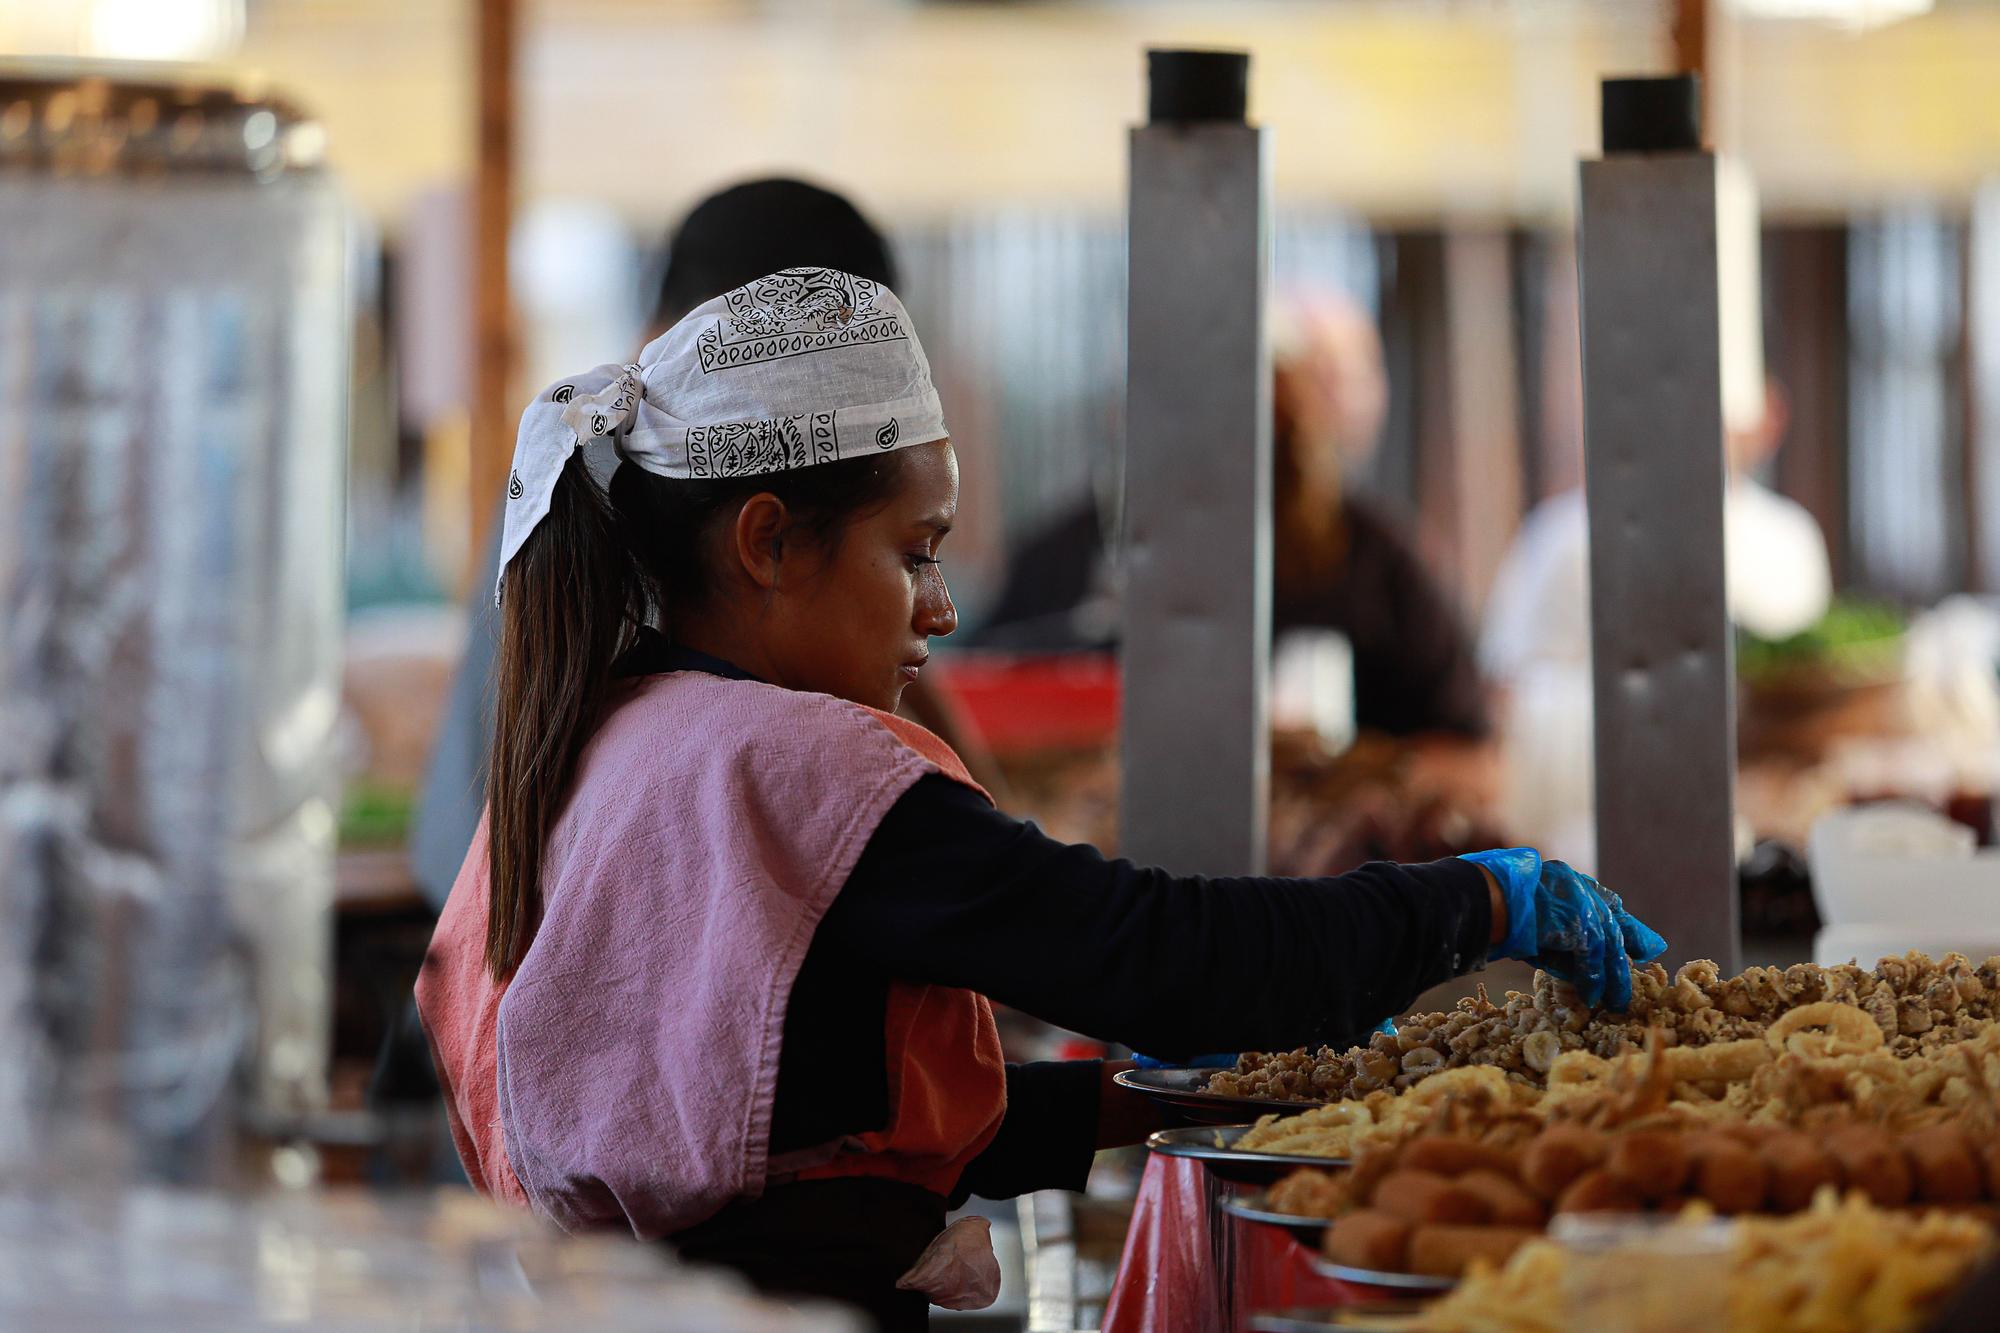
(1183, 86)
(1659, 115)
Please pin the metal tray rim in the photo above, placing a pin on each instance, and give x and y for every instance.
(1381, 1278)
(1251, 1208)
(1137, 1080)
(1162, 1141)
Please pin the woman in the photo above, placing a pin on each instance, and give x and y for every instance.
(715, 968)
(732, 236)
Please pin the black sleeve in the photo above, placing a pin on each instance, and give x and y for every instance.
(953, 892)
(1049, 1135)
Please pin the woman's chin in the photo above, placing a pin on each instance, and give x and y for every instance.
(884, 698)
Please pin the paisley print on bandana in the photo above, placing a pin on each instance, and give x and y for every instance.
(793, 312)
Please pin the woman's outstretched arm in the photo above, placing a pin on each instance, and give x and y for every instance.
(954, 892)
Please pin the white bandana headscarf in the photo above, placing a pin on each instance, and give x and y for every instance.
(806, 366)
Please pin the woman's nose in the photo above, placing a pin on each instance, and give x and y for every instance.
(936, 616)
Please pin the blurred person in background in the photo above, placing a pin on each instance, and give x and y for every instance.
(729, 239)
(1341, 563)
(1779, 578)
(1535, 642)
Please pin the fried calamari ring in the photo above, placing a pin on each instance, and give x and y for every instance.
(1579, 1069)
(1847, 1031)
(1725, 1061)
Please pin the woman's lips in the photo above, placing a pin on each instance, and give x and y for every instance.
(910, 669)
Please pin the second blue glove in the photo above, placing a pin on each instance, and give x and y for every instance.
(1569, 925)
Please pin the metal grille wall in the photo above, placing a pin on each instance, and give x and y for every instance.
(1908, 518)
(1023, 313)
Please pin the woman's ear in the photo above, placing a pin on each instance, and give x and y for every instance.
(758, 538)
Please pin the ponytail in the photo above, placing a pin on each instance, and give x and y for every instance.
(574, 600)
(591, 574)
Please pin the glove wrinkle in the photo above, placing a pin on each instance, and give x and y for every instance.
(1569, 925)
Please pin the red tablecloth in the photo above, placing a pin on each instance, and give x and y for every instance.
(1189, 1266)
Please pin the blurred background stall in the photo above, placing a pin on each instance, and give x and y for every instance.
(175, 312)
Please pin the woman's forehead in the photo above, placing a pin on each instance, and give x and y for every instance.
(930, 477)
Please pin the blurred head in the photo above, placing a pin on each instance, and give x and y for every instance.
(1329, 395)
(1755, 443)
(1330, 391)
(759, 227)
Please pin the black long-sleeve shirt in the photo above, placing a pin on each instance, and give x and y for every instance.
(953, 892)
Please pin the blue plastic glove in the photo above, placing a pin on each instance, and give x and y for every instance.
(1569, 925)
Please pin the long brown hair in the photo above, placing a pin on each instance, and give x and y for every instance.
(596, 571)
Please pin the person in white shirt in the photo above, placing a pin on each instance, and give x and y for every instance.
(1534, 642)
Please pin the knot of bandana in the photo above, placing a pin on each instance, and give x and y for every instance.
(608, 412)
(802, 367)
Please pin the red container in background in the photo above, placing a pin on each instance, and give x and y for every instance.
(1018, 705)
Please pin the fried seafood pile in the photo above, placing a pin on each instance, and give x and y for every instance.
(1480, 1175)
(1916, 1006)
(1842, 1267)
(1818, 1060)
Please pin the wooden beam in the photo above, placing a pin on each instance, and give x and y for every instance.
(1809, 359)
(1694, 42)
(497, 32)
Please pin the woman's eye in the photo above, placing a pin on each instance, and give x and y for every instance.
(918, 561)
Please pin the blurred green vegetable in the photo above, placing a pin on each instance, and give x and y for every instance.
(1854, 638)
(375, 814)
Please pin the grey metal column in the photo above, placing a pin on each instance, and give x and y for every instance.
(1663, 660)
(1197, 521)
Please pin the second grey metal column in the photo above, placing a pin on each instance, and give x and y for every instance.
(1663, 662)
(1197, 517)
